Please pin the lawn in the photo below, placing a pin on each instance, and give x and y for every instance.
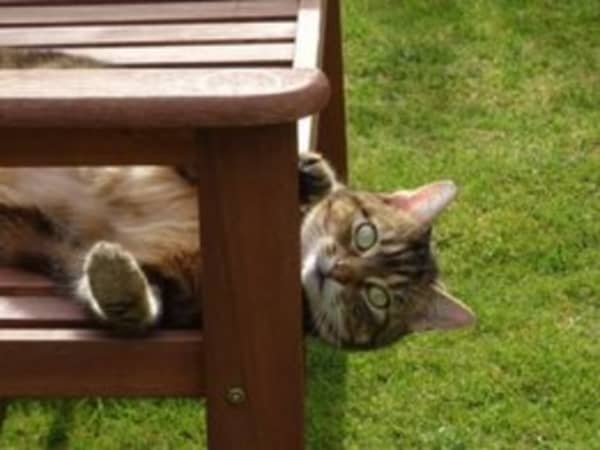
(503, 97)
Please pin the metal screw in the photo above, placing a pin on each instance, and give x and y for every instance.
(236, 395)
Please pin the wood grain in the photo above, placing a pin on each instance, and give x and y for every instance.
(79, 13)
(40, 147)
(308, 53)
(68, 362)
(43, 312)
(331, 136)
(250, 242)
(158, 98)
(268, 54)
(148, 34)
(19, 282)
(311, 24)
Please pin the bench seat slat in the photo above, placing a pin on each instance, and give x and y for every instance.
(68, 362)
(148, 34)
(151, 98)
(188, 55)
(43, 312)
(19, 282)
(164, 12)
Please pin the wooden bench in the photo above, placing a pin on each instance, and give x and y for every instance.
(217, 84)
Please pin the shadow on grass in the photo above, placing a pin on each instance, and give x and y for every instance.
(3, 412)
(326, 402)
(58, 433)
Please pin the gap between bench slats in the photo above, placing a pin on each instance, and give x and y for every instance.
(67, 362)
(165, 12)
(148, 34)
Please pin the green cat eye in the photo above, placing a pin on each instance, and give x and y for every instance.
(365, 236)
(378, 297)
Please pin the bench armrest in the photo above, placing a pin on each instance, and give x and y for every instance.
(158, 98)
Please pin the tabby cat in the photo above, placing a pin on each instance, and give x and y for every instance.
(125, 242)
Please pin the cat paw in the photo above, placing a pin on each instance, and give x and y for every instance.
(317, 178)
(118, 290)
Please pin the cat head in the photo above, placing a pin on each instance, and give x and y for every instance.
(368, 272)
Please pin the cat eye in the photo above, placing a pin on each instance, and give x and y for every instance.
(378, 296)
(365, 236)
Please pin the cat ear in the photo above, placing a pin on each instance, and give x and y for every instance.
(424, 204)
(443, 312)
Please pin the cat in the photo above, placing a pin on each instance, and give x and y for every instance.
(369, 273)
(125, 242)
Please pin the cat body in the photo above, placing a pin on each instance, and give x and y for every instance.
(125, 241)
(51, 219)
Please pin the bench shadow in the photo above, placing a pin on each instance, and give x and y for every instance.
(58, 433)
(326, 396)
(59, 429)
(3, 412)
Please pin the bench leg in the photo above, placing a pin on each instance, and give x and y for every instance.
(251, 288)
(331, 136)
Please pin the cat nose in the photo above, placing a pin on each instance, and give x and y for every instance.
(342, 271)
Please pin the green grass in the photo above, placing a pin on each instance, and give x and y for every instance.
(504, 98)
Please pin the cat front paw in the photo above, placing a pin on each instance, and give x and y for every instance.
(117, 289)
(317, 178)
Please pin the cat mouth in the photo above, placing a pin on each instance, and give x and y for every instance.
(317, 281)
(328, 288)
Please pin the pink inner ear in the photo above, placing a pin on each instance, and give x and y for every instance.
(400, 200)
(453, 315)
(425, 203)
(444, 313)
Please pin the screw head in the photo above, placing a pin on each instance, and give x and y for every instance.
(236, 395)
